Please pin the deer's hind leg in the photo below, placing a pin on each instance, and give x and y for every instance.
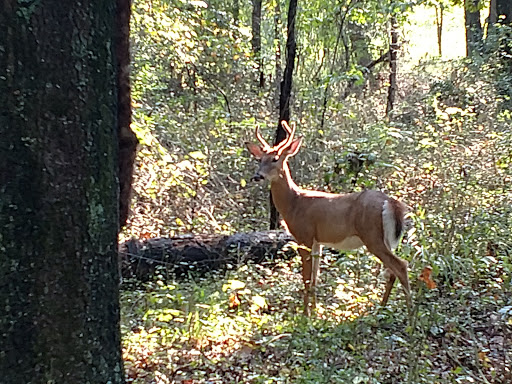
(396, 267)
(390, 281)
(316, 254)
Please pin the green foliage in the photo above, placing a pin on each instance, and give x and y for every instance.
(445, 151)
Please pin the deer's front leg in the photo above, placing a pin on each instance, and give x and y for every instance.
(307, 266)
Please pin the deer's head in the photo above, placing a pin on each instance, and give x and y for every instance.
(273, 159)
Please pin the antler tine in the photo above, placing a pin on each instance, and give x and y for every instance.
(260, 138)
(285, 143)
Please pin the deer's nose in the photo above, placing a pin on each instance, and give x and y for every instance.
(257, 177)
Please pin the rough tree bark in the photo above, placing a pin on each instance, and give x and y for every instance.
(474, 33)
(286, 92)
(59, 317)
(127, 140)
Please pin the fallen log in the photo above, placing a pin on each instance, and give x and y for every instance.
(200, 253)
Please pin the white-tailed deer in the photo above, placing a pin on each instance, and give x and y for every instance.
(316, 218)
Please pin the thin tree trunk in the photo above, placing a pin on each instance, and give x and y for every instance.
(393, 58)
(504, 11)
(439, 24)
(286, 83)
(504, 15)
(473, 27)
(127, 140)
(334, 57)
(236, 12)
(277, 44)
(256, 26)
(286, 92)
(256, 40)
(492, 18)
(59, 317)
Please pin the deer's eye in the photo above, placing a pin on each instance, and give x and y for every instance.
(275, 159)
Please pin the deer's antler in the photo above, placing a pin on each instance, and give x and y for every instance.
(261, 139)
(285, 143)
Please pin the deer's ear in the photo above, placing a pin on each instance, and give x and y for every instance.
(255, 150)
(294, 147)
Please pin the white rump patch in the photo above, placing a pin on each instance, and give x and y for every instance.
(389, 226)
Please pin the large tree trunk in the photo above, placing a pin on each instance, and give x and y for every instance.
(286, 92)
(59, 312)
(474, 32)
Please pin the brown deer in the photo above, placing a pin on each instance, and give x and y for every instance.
(341, 221)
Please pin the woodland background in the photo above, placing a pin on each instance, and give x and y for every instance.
(412, 98)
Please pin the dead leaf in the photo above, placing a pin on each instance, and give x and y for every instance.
(426, 277)
(145, 236)
(234, 300)
(482, 356)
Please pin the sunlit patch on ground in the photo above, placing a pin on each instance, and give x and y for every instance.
(193, 331)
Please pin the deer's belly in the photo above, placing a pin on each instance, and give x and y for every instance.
(348, 243)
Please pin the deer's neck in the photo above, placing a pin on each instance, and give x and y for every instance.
(284, 192)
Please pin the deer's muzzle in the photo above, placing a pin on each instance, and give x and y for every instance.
(257, 177)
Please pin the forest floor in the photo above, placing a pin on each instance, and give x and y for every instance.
(245, 326)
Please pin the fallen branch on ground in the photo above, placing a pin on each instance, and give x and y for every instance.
(200, 253)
